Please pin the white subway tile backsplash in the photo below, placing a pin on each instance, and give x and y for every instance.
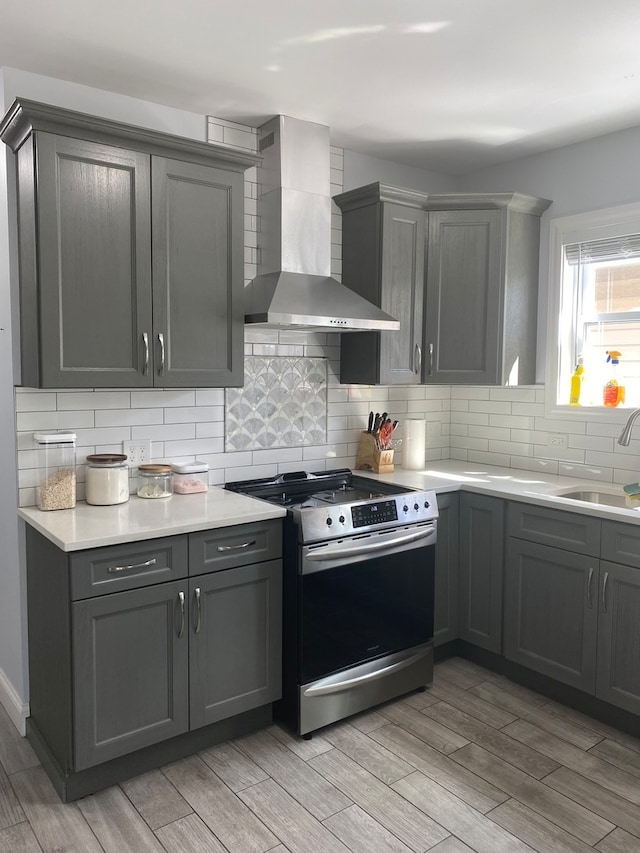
(155, 399)
(529, 463)
(194, 414)
(128, 417)
(37, 421)
(584, 472)
(35, 401)
(77, 400)
(492, 407)
(210, 397)
(469, 392)
(513, 395)
(210, 429)
(511, 421)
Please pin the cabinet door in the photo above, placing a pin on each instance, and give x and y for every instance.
(618, 678)
(551, 612)
(481, 570)
(198, 228)
(464, 297)
(94, 262)
(446, 574)
(236, 640)
(403, 252)
(130, 653)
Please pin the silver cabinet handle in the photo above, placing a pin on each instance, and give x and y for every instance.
(198, 610)
(604, 592)
(145, 341)
(236, 547)
(161, 342)
(430, 359)
(417, 359)
(114, 569)
(181, 602)
(589, 587)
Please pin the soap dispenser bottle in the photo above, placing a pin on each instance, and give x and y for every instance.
(576, 383)
(613, 392)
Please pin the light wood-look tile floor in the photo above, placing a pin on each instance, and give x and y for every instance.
(474, 763)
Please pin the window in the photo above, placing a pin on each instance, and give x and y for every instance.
(595, 296)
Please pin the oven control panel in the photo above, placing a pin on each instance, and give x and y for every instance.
(332, 522)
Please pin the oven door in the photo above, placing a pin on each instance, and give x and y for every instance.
(365, 597)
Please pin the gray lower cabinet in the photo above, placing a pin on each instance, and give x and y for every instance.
(235, 651)
(130, 672)
(446, 570)
(551, 611)
(572, 608)
(128, 648)
(481, 570)
(618, 675)
(481, 288)
(131, 249)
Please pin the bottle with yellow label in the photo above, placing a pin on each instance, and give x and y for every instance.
(576, 383)
(613, 392)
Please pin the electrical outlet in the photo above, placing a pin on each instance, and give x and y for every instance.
(557, 439)
(138, 451)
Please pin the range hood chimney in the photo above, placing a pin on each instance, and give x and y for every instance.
(294, 288)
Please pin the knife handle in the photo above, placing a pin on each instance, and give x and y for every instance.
(370, 425)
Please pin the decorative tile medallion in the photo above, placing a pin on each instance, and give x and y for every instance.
(283, 404)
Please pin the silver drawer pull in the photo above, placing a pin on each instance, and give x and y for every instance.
(236, 547)
(198, 610)
(181, 602)
(604, 592)
(589, 602)
(145, 341)
(113, 569)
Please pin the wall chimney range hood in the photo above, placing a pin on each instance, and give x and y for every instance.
(294, 288)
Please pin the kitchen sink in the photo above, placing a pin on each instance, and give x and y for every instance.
(593, 496)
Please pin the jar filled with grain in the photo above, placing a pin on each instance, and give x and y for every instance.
(56, 488)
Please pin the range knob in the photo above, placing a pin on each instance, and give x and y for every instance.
(329, 522)
(416, 506)
(427, 504)
(405, 508)
(341, 519)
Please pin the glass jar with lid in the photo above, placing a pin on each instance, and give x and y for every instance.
(155, 481)
(56, 487)
(107, 479)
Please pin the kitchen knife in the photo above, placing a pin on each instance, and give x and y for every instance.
(370, 426)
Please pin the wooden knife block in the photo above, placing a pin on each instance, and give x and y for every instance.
(369, 456)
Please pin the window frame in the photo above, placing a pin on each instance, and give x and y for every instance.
(578, 228)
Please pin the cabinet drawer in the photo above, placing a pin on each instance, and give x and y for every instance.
(119, 567)
(621, 543)
(228, 547)
(568, 530)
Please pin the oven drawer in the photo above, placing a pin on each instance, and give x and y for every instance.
(239, 545)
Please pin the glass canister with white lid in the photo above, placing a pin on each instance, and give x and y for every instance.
(56, 488)
(155, 481)
(190, 477)
(107, 477)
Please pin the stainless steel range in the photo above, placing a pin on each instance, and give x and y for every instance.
(358, 592)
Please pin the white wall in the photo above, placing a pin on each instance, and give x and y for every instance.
(599, 173)
(360, 169)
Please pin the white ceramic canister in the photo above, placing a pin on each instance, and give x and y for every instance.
(107, 479)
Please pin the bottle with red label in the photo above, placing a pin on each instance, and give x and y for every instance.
(613, 392)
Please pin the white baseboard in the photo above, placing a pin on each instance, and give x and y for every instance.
(17, 710)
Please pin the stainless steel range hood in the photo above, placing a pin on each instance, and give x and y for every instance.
(294, 288)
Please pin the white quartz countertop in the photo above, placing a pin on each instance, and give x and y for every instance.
(87, 526)
(512, 484)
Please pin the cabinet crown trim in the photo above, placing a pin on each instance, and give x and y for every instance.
(377, 192)
(519, 202)
(24, 117)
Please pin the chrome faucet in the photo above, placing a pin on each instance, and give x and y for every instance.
(625, 435)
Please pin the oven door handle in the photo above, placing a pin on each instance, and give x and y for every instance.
(331, 686)
(329, 553)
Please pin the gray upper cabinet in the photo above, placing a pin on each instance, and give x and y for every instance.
(131, 248)
(383, 258)
(482, 288)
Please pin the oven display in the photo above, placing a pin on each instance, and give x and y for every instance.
(374, 513)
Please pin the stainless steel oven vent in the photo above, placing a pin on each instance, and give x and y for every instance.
(294, 287)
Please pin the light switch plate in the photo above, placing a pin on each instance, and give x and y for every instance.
(138, 451)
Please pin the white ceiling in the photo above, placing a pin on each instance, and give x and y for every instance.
(447, 85)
